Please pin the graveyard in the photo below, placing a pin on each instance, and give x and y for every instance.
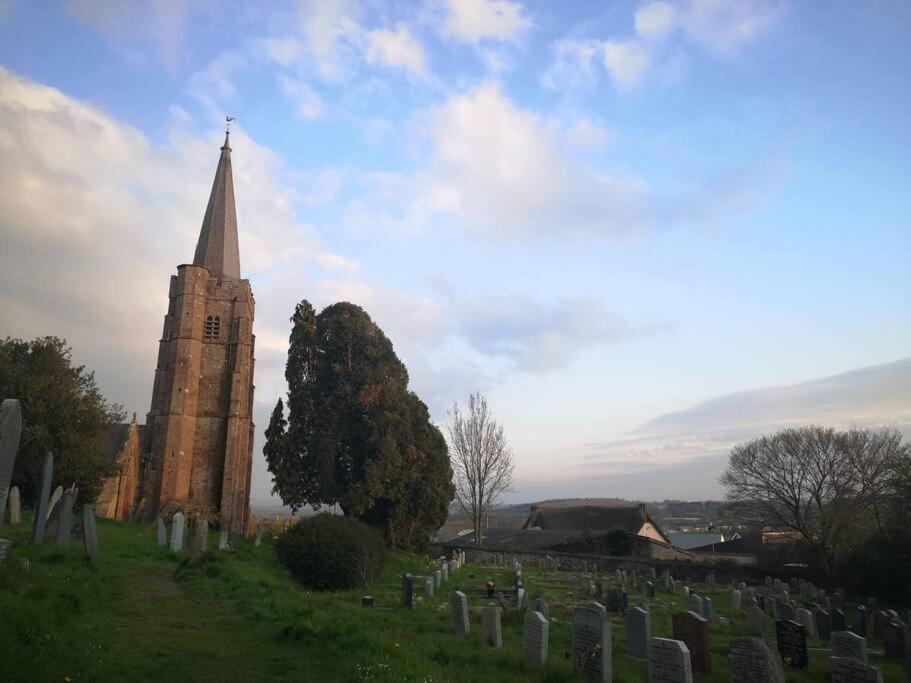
(142, 611)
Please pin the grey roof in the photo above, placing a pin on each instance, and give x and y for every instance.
(516, 540)
(689, 541)
(590, 518)
(217, 247)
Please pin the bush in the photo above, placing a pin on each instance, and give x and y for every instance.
(330, 553)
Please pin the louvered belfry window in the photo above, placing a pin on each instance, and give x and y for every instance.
(213, 327)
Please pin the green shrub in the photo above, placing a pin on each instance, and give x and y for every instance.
(329, 552)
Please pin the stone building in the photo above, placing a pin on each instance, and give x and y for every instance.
(197, 443)
(123, 449)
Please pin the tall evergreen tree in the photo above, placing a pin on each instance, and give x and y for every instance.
(354, 434)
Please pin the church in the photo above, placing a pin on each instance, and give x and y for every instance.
(195, 451)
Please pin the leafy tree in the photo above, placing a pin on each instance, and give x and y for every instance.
(354, 433)
(63, 412)
(829, 486)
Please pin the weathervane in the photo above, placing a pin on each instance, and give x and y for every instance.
(228, 120)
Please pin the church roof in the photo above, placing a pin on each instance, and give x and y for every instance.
(217, 247)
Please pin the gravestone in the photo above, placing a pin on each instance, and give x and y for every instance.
(15, 506)
(650, 589)
(5, 546)
(541, 606)
(224, 540)
(162, 532)
(65, 521)
(534, 639)
(39, 522)
(787, 612)
(89, 531)
(367, 601)
(707, 608)
(460, 623)
(710, 580)
(178, 527)
(736, 597)
(880, 619)
(848, 644)
(791, 638)
(859, 622)
(437, 578)
(757, 621)
(428, 586)
(669, 662)
(771, 607)
(504, 604)
(849, 670)
(638, 624)
(591, 642)
(837, 617)
(693, 630)
(493, 630)
(407, 590)
(54, 500)
(895, 639)
(200, 538)
(823, 623)
(751, 660)
(696, 604)
(444, 569)
(686, 591)
(10, 431)
(805, 619)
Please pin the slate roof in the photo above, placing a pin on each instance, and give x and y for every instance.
(588, 518)
(690, 541)
(217, 247)
(516, 540)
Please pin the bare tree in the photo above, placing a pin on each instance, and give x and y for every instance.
(816, 481)
(481, 460)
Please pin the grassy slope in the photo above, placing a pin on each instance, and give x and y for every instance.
(142, 613)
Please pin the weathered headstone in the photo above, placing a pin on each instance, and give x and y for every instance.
(39, 521)
(591, 642)
(224, 540)
(787, 612)
(407, 590)
(650, 589)
(707, 608)
(428, 586)
(444, 568)
(669, 662)
(534, 639)
(492, 622)
(751, 660)
(15, 506)
(542, 607)
(10, 431)
(65, 520)
(693, 630)
(880, 619)
(804, 617)
(460, 622)
(771, 606)
(849, 670)
(792, 643)
(367, 601)
(200, 538)
(823, 623)
(178, 528)
(638, 624)
(54, 500)
(437, 578)
(757, 621)
(162, 532)
(838, 620)
(89, 531)
(848, 644)
(736, 597)
(522, 600)
(859, 622)
(696, 604)
(895, 640)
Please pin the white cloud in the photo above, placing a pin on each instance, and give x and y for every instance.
(724, 26)
(573, 64)
(474, 21)
(587, 134)
(655, 20)
(216, 80)
(627, 62)
(308, 105)
(396, 48)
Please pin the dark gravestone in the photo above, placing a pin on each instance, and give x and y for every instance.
(838, 620)
(650, 589)
(407, 590)
(591, 642)
(89, 531)
(535, 639)
(848, 670)
(859, 622)
(895, 638)
(823, 624)
(880, 619)
(638, 632)
(693, 630)
(792, 643)
(787, 612)
(44, 494)
(65, 520)
(367, 601)
(10, 431)
(751, 660)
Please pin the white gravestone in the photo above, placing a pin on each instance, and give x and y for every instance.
(534, 638)
(178, 526)
(735, 599)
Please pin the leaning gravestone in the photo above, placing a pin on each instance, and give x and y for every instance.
(15, 506)
(591, 642)
(44, 491)
(89, 531)
(162, 532)
(848, 644)
(693, 630)
(492, 623)
(460, 623)
(534, 639)
(65, 520)
(638, 632)
(751, 660)
(54, 500)
(849, 670)
(669, 662)
(895, 639)
(10, 431)
(178, 526)
(792, 643)
(541, 606)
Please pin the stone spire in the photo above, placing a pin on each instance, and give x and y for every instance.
(217, 246)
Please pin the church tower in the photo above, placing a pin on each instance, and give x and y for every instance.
(200, 424)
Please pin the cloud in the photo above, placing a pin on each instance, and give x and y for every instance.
(396, 48)
(308, 104)
(655, 20)
(474, 21)
(216, 81)
(627, 62)
(573, 64)
(724, 26)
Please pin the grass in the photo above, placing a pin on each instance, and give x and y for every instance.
(141, 612)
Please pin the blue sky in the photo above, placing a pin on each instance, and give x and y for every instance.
(598, 213)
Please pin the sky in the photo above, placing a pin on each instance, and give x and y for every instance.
(645, 230)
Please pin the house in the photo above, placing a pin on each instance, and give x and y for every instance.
(634, 520)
